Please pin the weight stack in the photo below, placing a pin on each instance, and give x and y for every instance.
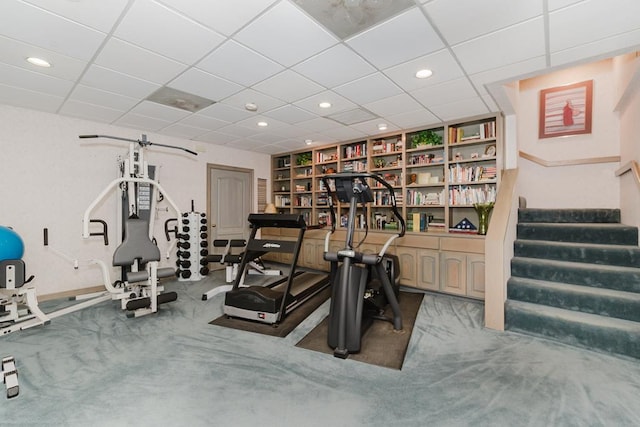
(192, 247)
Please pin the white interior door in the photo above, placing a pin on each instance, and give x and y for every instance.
(230, 202)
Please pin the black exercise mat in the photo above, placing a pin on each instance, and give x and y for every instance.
(381, 345)
(282, 330)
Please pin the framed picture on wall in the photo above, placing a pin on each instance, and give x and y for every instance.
(566, 110)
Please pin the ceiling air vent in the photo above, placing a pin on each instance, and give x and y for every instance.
(178, 99)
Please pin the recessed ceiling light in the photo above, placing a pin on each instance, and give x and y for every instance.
(324, 105)
(308, 141)
(250, 106)
(263, 124)
(382, 126)
(423, 74)
(38, 61)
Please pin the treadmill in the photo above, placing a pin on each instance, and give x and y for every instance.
(271, 303)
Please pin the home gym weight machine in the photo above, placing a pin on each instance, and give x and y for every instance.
(363, 284)
(137, 255)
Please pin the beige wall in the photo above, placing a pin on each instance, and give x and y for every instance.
(575, 186)
(49, 177)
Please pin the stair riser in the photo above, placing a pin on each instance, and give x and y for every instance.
(605, 235)
(605, 306)
(624, 257)
(569, 215)
(606, 339)
(587, 276)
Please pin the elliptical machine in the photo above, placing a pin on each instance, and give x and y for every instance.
(363, 284)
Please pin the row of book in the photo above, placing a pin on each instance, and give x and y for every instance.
(386, 146)
(303, 201)
(381, 198)
(282, 201)
(465, 195)
(425, 159)
(355, 166)
(481, 131)
(354, 150)
(459, 173)
(325, 157)
(419, 198)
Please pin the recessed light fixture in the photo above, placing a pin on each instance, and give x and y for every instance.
(308, 141)
(423, 74)
(250, 106)
(324, 105)
(38, 61)
(382, 126)
(263, 124)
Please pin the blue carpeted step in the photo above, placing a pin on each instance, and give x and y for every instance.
(575, 328)
(623, 255)
(614, 234)
(601, 301)
(600, 276)
(569, 215)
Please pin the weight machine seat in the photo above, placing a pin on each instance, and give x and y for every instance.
(12, 274)
(136, 244)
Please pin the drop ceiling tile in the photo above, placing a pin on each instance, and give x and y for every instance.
(167, 32)
(252, 123)
(15, 53)
(238, 131)
(368, 89)
(19, 77)
(288, 145)
(510, 45)
(113, 81)
(507, 73)
(445, 93)
(205, 85)
(270, 149)
(441, 63)
(98, 14)
(29, 99)
(338, 103)
(286, 35)
(246, 144)
(221, 15)
(414, 119)
(215, 137)
(90, 95)
(396, 104)
(290, 114)
(226, 113)
(143, 123)
(464, 108)
(404, 37)
(490, 103)
(559, 4)
(596, 50)
(35, 26)
(126, 58)
(264, 102)
(370, 127)
(203, 122)
(334, 66)
(288, 86)
(582, 23)
(179, 130)
(266, 138)
(344, 133)
(158, 111)
(87, 111)
(239, 64)
(292, 132)
(319, 124)
(466, 19)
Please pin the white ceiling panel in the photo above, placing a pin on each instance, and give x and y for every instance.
(288, 86)
(126, 58)
(20, 97)
(559, 4)
(514, 44)
(179, 130)
(113, 81)
(90, 95)
(226, 113)
(582, 23)
(290, 114)
(368, 89)
(286, 35)
(404, 37)
(413, 119)
(166, 32)
(216, 137)
(252, 123)
(99, 14)
(202, 121)
(64, 67)
(393, 105)
(344, 133)
(239, 64)
(137, 121)
(597, 50)
(19, 77)
(467, 19)
(87, 111)
(205, 85)
(470, 107)
(441, 63)
(224, 16)
(238, 131)
(370, 127)
(507, 73)
(338, 103)
(335, 66)
(158, 111)
(48, 31)
(445, 93)
(319, 124)
(263, 102)
(266, 138)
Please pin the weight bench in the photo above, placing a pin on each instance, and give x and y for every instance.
(139, 293)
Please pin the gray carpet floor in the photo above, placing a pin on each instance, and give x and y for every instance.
(98, 368)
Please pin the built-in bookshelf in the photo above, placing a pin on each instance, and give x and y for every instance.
(437, 173)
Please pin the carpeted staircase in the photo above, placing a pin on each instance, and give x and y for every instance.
(575, 278)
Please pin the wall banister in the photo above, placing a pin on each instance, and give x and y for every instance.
(571, 162)
(632, 166)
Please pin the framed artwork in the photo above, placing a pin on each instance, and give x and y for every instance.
(566, 110)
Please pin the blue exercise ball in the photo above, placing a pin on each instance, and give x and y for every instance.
(11, 246)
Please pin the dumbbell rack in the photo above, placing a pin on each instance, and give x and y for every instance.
(192, 247)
